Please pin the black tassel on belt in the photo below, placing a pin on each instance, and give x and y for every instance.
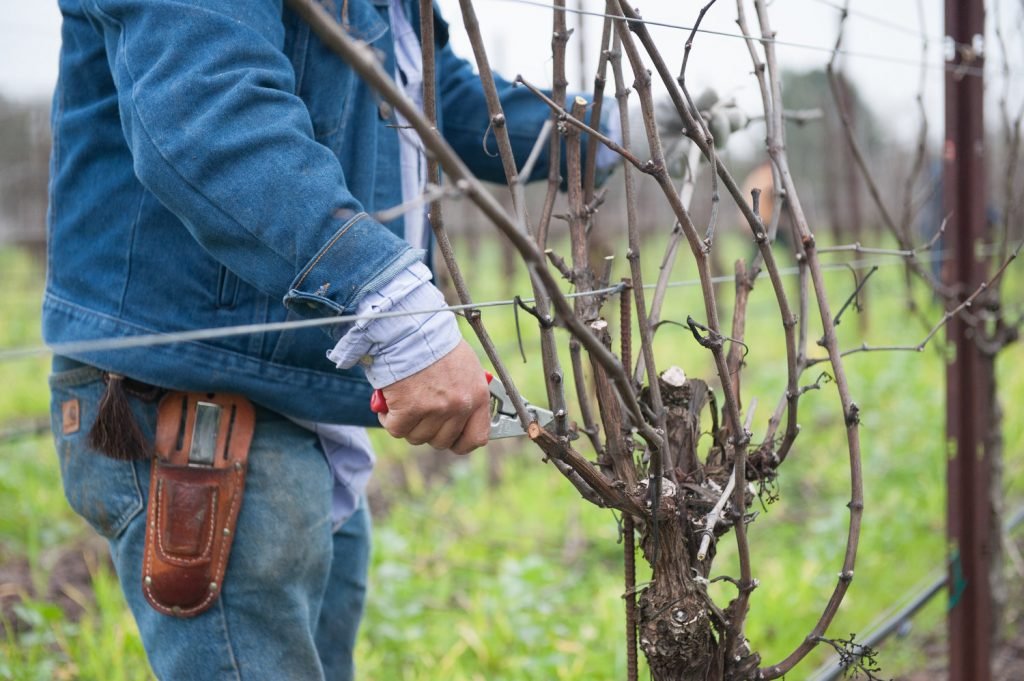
(116, 433)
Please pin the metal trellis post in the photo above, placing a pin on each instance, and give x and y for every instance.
(970, 543)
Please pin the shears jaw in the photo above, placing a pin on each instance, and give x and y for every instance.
(544, 417)
(506, 425)
(505, 421)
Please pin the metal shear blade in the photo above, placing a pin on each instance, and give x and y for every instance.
(505, 421)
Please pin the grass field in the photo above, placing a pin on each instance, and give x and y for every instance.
(490, 567)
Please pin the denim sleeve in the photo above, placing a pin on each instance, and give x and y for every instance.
(392, 348)
(611, 124)
(207, 105)
(467, 123)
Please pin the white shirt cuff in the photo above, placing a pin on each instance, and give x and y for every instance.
(392, 348)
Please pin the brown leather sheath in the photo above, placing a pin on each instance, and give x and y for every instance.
(195, 493)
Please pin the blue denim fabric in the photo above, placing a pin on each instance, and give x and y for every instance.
(213, 159)
(294, 590)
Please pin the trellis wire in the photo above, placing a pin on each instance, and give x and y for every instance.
(881, 21)
(891, 59)
(211, 333)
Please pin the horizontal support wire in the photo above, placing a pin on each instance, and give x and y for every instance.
(960, 69)
(881, 21)
(153, 339)
(211, 333)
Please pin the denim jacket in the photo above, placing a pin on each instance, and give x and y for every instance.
(213, 159)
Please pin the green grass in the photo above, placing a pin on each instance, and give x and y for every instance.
(103, 645)
(24, 391)
(522, 580)
(478, 582)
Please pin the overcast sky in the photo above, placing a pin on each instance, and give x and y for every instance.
(883, 37)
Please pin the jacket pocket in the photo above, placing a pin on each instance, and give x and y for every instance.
(102, 490)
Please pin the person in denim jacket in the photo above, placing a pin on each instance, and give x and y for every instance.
(214, 164)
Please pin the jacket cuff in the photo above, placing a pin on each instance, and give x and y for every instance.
(390, 348)
(360, 258)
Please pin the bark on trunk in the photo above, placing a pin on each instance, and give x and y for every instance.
(681, 631)
(676, 633)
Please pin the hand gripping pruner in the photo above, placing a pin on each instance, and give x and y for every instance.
(504, 421)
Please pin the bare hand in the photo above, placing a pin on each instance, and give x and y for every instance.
(446, 405)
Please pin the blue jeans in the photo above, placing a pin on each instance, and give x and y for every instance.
(294, 590)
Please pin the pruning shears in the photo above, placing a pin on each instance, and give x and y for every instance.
(504, 421)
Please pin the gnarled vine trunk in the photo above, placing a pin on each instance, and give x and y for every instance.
(683, 634)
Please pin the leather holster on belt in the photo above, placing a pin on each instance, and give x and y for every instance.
(195, 493)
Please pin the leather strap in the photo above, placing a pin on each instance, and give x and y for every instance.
(196, 487)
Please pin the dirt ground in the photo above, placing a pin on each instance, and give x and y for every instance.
(69, 584)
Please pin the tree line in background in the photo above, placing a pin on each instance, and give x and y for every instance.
(834, 192)
(24, 170)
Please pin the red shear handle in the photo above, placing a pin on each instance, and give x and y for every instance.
(379, 405)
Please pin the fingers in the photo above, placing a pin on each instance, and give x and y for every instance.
(399, 422)
(475, 433)
(447, 404)
(440, 432)
(461, 431)
(447, 434)
(422, 420)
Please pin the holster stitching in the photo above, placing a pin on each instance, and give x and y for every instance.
(212, 595)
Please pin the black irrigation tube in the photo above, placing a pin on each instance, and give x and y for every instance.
(832, 669)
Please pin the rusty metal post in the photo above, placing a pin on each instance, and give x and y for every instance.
(967, 403)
